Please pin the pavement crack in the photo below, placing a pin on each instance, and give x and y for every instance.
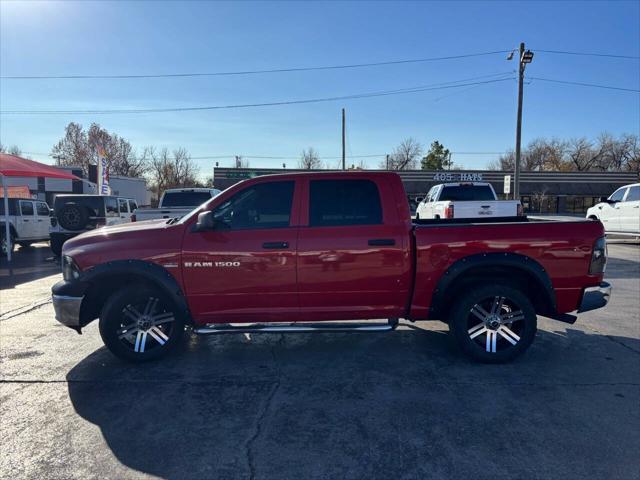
(25, 309)
(261, 416)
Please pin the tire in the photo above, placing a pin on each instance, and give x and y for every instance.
(138, 324)
(72, 216)
(3, 243)
(55, 243)
(593, 217)
(491, 338)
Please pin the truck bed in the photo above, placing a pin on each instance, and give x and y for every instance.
(559, 250)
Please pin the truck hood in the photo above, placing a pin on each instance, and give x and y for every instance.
(123, 228)
(136, 240)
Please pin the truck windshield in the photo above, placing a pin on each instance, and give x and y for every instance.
(466, 193)
(184, 199)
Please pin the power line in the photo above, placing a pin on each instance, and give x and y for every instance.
(251, 72)
(567, 82)
(589, 54)
(441, 86)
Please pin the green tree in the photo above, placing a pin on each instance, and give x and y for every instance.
(437, 158)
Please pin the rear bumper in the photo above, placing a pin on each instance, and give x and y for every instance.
(595, 297)
(592, 299)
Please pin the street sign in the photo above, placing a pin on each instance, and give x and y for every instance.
(507, 184)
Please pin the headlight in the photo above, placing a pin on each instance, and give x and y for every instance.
(598, 257)
(70, 271)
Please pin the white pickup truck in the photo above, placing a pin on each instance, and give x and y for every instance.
(175, 203)
(465, 200)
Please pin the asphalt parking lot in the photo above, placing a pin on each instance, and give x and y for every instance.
(404, 404)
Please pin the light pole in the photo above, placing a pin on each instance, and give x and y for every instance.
(524, 57)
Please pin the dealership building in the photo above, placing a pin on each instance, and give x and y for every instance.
(540, 192)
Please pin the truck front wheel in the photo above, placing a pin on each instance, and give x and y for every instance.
(493, 323)
(137, 324)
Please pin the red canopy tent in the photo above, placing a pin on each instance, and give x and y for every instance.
(14, 166)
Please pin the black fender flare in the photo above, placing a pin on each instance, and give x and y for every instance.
(151, 272)
(488, 260)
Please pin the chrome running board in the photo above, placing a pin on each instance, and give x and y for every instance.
(214, 329)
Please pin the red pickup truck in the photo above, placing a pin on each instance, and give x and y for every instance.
(298, 252)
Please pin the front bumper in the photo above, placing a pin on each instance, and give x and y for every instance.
(67, 302)
(68, 310)
(595, 297)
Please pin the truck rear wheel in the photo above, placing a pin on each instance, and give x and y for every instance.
(138, 325)
(493, 323)
(4, 245)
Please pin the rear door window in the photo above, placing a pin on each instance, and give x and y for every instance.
(466, 193)
(344, 202)
(26, 208)
(111, 206)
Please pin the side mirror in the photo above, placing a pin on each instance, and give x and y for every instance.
(205, 222)
(419, 199)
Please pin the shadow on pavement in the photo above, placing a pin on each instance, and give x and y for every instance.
(28, 264)
(398, 405)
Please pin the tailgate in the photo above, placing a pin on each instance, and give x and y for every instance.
(489, 208)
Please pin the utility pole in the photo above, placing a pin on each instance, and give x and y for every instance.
(387, 159)
(524, 57)
(343, 140)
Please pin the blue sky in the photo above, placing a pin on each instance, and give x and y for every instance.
(62, 38)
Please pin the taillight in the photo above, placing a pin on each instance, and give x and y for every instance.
(598, 257)
(133, 217)
(448, 213)
(520, 210)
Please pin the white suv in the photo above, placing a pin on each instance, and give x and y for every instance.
(28, 222)
(620, 213)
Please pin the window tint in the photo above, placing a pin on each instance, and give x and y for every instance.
(344, 202)
(466, 193)
(122, 204)
(13, 207)
(266, 205)
(43, 209)
(185, 199)
(634, 194)
(618, 195)
(111, 206)
(132, 205)
(26, 208)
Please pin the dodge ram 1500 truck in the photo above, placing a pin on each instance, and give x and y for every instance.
(297, 252)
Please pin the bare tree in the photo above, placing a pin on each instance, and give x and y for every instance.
(405, 156)
(13, 150)
(607, 153)
(80, 148)
(309, 160)
(170, 170)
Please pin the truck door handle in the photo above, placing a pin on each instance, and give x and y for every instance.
(382, 242)
(275, 245)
